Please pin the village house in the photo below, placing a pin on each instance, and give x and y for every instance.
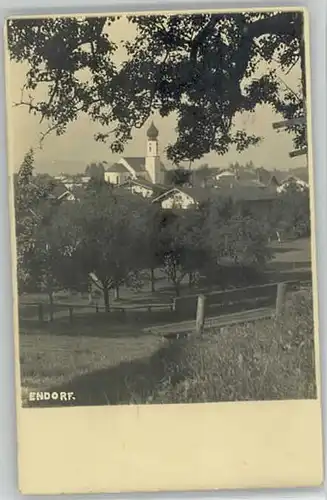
(61, 193)
(292, 181)
(230, 177)
(248, 197)
(225, 174)
(148, 168)
(142, 187)
(71, 182)
(259, 177)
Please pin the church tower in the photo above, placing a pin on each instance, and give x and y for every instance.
(152, 159)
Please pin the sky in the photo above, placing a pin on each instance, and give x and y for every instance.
(73, 151)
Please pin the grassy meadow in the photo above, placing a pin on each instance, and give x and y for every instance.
(104, 363)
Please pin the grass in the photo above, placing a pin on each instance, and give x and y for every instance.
(292, 260)
(257, 361)
(108, 359)
(292, 250)
(48, 360)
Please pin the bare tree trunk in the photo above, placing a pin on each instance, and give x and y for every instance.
(177, 288)
(50, 293)
(106, 298)
(153, 280)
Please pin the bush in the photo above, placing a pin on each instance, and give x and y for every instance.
(258, 361)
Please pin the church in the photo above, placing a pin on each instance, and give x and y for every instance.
(148, 170)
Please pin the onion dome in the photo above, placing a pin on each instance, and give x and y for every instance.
(152, 132)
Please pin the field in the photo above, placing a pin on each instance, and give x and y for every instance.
(255, 361)
(292, 260)
(108, 362)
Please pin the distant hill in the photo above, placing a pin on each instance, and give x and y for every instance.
(56, 167)
(74, 167)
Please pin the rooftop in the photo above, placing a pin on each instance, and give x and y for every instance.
(117, 168)
(236, 193)
(144, 183)
(138, 163)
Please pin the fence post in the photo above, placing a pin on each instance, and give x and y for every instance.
(40, 312)
(200, 314)
(70, 314)
(280, 299)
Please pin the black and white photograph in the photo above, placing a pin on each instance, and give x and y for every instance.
(162, 197)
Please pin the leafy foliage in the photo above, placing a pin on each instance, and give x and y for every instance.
(32, 206)
(200, 66)
(291, 212)
(112, 228)
(178, 177)
(114, 236)
(182, 248)
(95, 170)
(237, 245)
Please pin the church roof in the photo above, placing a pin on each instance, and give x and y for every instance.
(138, 163)
(152, 132)
(117, 168)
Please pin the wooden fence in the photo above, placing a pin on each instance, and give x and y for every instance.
(42, 310)
(234, 300)
(189, 307)
(270, 297)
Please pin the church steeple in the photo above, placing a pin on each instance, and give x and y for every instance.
(152, 132)
(152, 141)
(152, 160)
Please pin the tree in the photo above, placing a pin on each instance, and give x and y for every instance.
(249, 165)
(47, 263)
(152, 256)
(32, 203)
(95, 170)
(234, 241)
(182, 247)
(112, 228)
(199, 66)
(291, 212)
(178, 177)
(44, 236)
(202, 174)
(97, 183)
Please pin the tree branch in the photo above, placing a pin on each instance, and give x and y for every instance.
(278, 24)
(96, 283)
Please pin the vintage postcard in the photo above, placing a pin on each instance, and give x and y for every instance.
(161, 171)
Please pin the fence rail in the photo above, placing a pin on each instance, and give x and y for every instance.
(234, 301)
(249, 304)
(43, 308)
(239, 298)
